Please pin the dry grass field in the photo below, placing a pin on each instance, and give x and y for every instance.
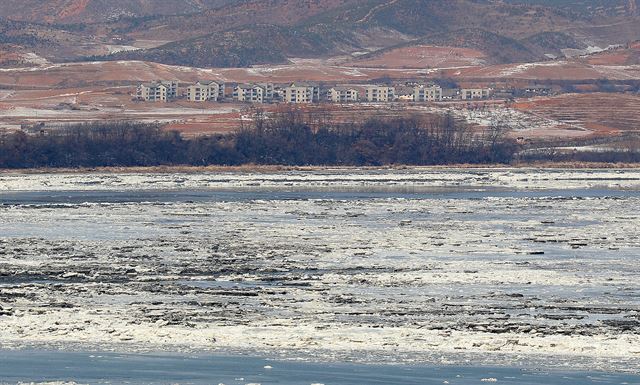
(605, 114)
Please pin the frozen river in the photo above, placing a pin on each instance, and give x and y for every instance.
(521, 268)
(109, 368)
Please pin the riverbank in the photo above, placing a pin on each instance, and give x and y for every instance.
(280, 168)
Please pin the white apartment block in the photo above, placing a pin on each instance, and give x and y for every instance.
(342, 95)
(301, 93)
(268, 89)
(379, 94)
(161, 91)
(205, 91)
(474, 93)
(431, 93)
(249, 93)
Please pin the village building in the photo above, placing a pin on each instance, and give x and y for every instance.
(342, 95)
(430, 93)
(160, 91)
(205, 91)
(268, 91)
(503, 93)
(301, 93)
(254, 93)
(249, 93)
(403, 93)
(450, 93)
(379, 94)
(474, 93)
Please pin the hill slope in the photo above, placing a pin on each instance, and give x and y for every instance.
(258, 44)
(588, 8)
(519, 31)
(89, 11)
(246, 32)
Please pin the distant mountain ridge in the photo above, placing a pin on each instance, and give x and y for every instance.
(90, 11)
(506, 31)
(222, 33)
(588, 8)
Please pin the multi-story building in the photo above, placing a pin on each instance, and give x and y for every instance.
(450, 93)
(161, 91)
(379, 94)
(430, 93)
(268, 93)
(301, 93)
(151, 92)
(249, 93)
(342, 95)
(205, 91)
(474, 93)
(403, 93)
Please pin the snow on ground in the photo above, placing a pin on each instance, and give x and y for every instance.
(619, 72)
(34, 58)
(518, 122)
(48, 383)
(114, 48)
(4, 94)
(513, 119)
(590, 50)
(67, 114)
(502, 265)
(520, 68)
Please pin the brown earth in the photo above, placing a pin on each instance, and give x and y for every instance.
(623, 56)
(553, 70)
(11, 55)
(77, 105)
(277, 169)
(422, 56)
(605, 114)
(78, 92)
(131, 72)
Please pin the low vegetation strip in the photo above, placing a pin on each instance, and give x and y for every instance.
(289, 138)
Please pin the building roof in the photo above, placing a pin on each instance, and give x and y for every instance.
(370, 86)
(404, 90)
(427, 86)
(207, 83)
(341, 88)
(153, 85)
(248, 86)
(446, 92)
(303, 84)
(157, 83)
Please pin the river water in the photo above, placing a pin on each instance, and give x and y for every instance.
(109, 368)
(436, 274)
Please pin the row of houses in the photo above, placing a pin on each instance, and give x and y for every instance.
(304, 93)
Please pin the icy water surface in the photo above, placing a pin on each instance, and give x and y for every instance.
(106, 368)
(419, 268)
